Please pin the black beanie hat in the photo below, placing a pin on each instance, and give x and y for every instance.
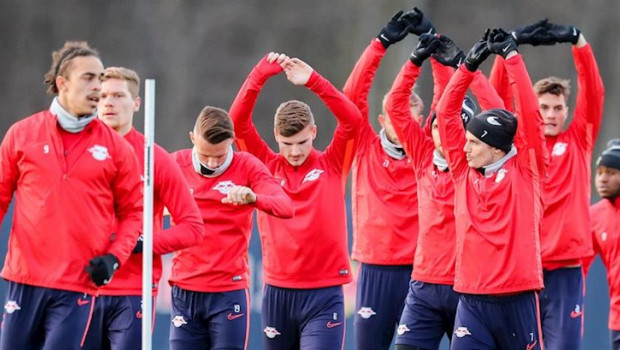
(468, 109)
(611, 155)
(495, 127)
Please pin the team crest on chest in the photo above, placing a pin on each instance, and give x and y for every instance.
(501, 174)
(313, 175)
(100, 153)
(224, 186)
(559, 149)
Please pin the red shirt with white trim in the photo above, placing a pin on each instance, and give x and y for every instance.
(497, 216)
(220, 263)
(170, 190)
(565, 235)
(383, 189)
(66, 212)
(309, 250)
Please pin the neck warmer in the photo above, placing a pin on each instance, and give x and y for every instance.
(67, 121)
(209, 172)
(491, 169)
(439, 161)
(392, 150)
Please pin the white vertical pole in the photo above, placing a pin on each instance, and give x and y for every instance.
(147, 258)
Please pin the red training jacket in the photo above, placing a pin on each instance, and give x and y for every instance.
(309, 250)
(497, 216)
(565, 237)
(170, 190)
(220, 263)
(64, 216)
(383, 189)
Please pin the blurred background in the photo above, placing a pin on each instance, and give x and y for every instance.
(200, 52)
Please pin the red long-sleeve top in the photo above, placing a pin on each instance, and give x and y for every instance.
(309, 250)
(605, 221)
(436, 253)
(170, 190)
(565, 236)
(220, 263)
(498, 216)
(383, 189)
(66, 211)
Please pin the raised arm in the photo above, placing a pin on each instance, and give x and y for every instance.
(247, 137)
(174, 192)
(415, 142)
(359, 82)
(448, 110)
(590, 95)
(449, 121)
(342, 148)
(499, 81)
(529, 139)
(485, 93)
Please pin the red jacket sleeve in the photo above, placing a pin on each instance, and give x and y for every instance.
(127, 189)
(414, 140)
(246, 136)
(530, 139)
(485, 93)
(8, 172)
(270, 197)
(340, 151)
(441, 77)
(359, 82)
(449, 121)
(173, 190)
(499, 81)
(590, 95)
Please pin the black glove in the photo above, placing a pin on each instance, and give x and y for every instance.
(533, 34)
(138, 247)
(102, 268)
(563, 33)
(500, 42)
(478, 53)
(427, 44)
(448, 53)
(394, 31)
(418, 23)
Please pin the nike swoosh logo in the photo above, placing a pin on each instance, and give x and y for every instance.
(333, 324)
(531, 346)
(574, 314)
(574, 31)
(506, 48)
(232, 317)
(384, 38)
(82, 302)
